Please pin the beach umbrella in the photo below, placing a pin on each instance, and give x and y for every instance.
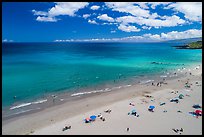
(87, 119)
(181, 96)
(198, 112)
(151, 107)
(196, 106)
(93, 117)
(133, 110)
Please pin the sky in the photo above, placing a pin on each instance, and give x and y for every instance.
(100, 21)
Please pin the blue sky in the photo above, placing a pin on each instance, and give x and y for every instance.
(100, 21)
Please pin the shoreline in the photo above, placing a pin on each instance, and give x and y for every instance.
(77, 106)
(48, 100)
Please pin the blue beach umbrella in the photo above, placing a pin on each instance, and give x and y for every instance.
(151, 107)
(93, 117)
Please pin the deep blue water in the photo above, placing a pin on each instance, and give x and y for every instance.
(31, 70)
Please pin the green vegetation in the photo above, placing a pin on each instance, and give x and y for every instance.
(192, 45)
(195, 45)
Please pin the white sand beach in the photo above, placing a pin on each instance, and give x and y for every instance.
(162, 121)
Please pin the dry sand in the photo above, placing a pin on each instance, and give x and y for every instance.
(52, 120)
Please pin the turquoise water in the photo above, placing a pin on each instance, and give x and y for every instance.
(30, 70)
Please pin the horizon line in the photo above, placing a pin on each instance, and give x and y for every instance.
(95, 41)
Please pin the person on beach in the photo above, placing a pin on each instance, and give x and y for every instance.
(135, 114)
(66, 127)
(108, 111)
(132, 104)
(175, 130)
(128, 129)
(151, 110)
(53, 98)
(99, 115)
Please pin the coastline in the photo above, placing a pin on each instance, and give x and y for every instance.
(80, 106)
(51, 99)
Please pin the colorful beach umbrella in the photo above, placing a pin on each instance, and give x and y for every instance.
(93, 117)
(198, 111)
(87, 119)
(181, 96)
(151, 107)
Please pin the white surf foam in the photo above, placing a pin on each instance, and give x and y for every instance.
(98, 91)
(39, 102)
(28, 104)
(163, 76)
(21, 105)
(145, 82)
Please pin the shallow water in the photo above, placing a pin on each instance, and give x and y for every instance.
(32, 70)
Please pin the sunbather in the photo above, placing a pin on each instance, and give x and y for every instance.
(66, 127)
(108, 111)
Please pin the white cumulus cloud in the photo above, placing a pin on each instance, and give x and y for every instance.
(128, 7)
(105, 17)
(191, 33)
(173, 35)
(95, 7)
(141, 15)
(46, 19)
(92, 22)
(167, 21)
(128, 28)
(86, 16)
(60, 8)
(191, 10)
(39, 13)
(66, 8)
(145, 27)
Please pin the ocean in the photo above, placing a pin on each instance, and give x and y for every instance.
(30, 71)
